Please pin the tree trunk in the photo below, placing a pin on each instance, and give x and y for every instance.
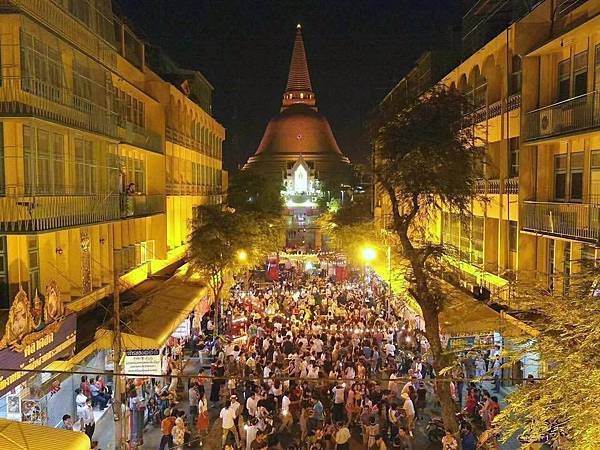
(440, 361)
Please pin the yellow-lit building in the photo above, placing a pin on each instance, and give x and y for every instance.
(536, 85)
(103, 158)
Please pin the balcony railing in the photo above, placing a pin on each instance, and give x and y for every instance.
(491, 187)
(579, 221)
(192, 189)
(493, 110)
(60, 21)
(27, 214)
(187, 141)
(574, 115)
(140, 137)
(33, 97)
(139, 205)
(19, 214)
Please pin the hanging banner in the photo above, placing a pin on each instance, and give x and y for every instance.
(273, 268)
(13, 407)
(183, 330)
(143, 362)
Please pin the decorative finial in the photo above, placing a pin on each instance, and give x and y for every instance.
(298, 26)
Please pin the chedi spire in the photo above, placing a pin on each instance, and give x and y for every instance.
(299, 88)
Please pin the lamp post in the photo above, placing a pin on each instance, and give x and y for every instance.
(389, 267)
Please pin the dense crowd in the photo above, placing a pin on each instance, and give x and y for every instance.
(316, 366)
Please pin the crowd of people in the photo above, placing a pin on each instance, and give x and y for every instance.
(319, 365)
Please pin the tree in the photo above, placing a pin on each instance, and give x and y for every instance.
(249, 190)
(425, 160)
(566, 396)
(224, 241)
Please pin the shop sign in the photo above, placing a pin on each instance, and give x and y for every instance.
(183, 330)
(143, 362)
(36, 334)
(467, 342)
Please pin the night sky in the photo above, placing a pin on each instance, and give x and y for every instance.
(357, 50)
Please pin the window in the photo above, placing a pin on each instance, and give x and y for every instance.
(477, 241)
(41, 68)
(86, 177)
(597, 69)
(560, 177)
(580, 68)
(513, 236)
(516, 75)
(564, 80)
(81, 10)
(136, 173)
(595, 177)
(82, 87)
(43, 175)
(58, 160)
(576, 177)
(513, 159)
(34, 265)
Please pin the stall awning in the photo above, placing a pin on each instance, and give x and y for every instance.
(27, 436)
(463, 315)
(152, 319)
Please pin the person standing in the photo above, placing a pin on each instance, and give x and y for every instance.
(409, 409)
(497, 374)
(89, 423)
(227, 416)
(178, 434)
(193, 397)
(66, 423)
(342, 437)
(166, 428)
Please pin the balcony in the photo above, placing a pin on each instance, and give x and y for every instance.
(186, 140)
(28, 214)
(33, 97)
(60, 21)
(21, 214)
(575, 115)
(492, 187)
(494, 110)
(140, 137)
(577, 221)
(139, 205)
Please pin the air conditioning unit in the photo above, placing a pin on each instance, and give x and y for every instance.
(546, 125)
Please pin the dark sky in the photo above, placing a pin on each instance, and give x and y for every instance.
(357, 50)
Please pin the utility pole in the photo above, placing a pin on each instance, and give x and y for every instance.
(117, 404)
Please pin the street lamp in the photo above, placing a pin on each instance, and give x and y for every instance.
(242, 256)
(368, 254)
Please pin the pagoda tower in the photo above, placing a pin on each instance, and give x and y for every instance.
(298, 146)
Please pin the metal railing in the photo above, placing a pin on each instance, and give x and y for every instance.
(60, 21)
(490, 187)
(511, 185)
(20, 214)
(26, 214)
(570, 220)
(493, 110)
(139, 205)
(141, 137)
(33, 97)
(192, 189)
(187, 141)
(569, 116)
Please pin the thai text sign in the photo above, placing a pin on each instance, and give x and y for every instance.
(54, 341)
(142, 362)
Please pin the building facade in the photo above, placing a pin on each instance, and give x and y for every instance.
(535, 87)
(102, 158)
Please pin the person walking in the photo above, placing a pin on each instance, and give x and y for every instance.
(166, 428)
(178, 434)
(497, 374)
(227, 416)
(89, 423)
(193, 398)
(342, 437)
(409, 409)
